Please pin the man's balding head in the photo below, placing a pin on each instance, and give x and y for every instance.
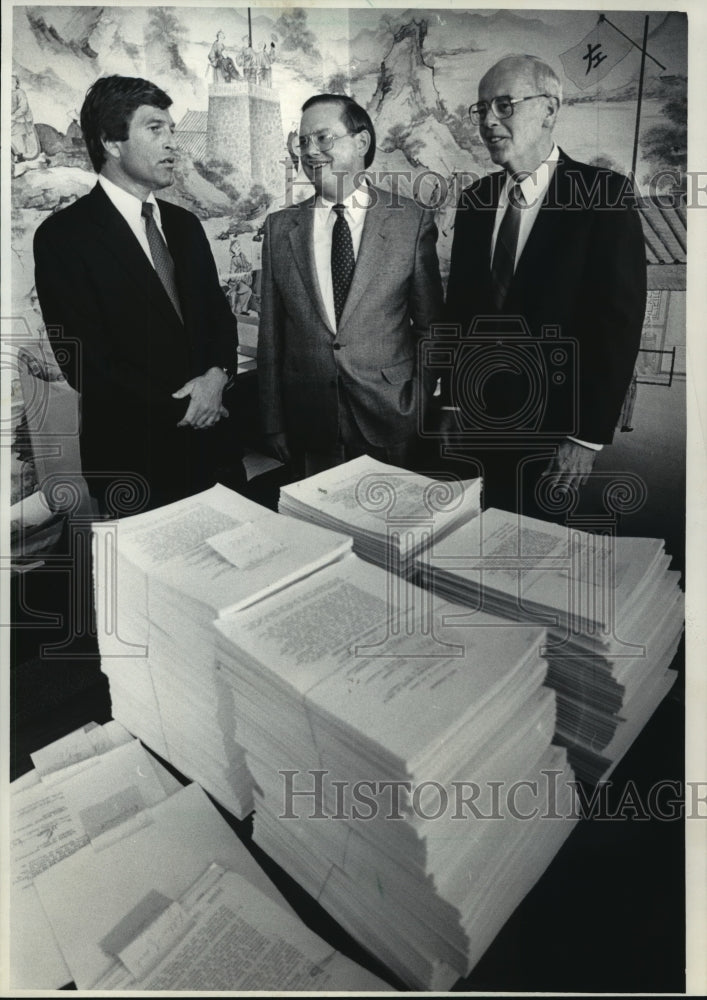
(521, 141)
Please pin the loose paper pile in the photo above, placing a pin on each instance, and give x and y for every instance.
(392, 514)
(161, 579)
(613, 610)
(82, 787)
(122, 879)
(349, 687)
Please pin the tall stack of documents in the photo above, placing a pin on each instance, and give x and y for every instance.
(403, 765)
(613, 610)
(162, 577)
(122, 879)
(391, 514)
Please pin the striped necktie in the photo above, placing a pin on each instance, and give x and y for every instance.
(161, 257)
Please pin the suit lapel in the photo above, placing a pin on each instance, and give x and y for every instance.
(117, 237)
(486, 200)
(176, 246)
(542, 239)
(302, 243)
(473, 233)
(371, 253)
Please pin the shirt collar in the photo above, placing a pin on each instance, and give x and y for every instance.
(127, 204)
(355, 204)
(536, 183)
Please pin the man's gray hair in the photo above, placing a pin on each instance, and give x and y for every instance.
(546, 79)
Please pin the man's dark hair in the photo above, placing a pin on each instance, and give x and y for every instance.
(354, 117)
(108, 108)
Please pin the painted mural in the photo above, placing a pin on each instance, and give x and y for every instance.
(414, 70)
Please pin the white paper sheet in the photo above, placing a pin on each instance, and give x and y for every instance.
(89, 893)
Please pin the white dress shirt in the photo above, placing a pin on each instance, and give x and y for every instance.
(355, 208)
(534, 188)
(130, 208)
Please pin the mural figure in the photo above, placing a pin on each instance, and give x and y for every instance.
(250, 62)
(267, 57)
(25, 144)
(223, 69)
(240, 282)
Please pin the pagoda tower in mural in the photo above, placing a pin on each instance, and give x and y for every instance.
(244, 123)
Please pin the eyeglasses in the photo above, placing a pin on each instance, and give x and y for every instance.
(502, 107)
(323, 141)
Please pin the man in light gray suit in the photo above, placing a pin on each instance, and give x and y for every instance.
(350, 285)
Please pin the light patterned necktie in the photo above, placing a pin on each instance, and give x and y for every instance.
(342, 261)
(161, 257)
(504, 254)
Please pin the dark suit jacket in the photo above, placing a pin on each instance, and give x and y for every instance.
(122, 346)
(395, 295)
(583, 269)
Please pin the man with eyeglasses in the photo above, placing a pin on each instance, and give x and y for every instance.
(350, 285)
(556, 247)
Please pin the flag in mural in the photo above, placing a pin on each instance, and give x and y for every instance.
(595, 56)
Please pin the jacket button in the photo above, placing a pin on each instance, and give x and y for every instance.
(337, 347)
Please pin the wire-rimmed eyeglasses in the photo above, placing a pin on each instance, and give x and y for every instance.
(323, 141)
(502, 107)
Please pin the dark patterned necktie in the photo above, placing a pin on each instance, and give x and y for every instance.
(504, 254)
(342, 261)
(161, 257)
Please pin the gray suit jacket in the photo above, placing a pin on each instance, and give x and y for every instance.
(395, 295)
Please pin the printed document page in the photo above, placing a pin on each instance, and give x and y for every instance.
(107, 798)
(224, 934)
(184, 836)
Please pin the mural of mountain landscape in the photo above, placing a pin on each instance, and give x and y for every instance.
(415, 71)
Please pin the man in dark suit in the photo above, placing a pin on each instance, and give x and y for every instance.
(548, 288)
(350, 285)
(130, 294)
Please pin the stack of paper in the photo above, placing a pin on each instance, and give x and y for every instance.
(84, 788)
(392, 514)
(161, 579)
(402, 762)
(178, 903)
(613, 610)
